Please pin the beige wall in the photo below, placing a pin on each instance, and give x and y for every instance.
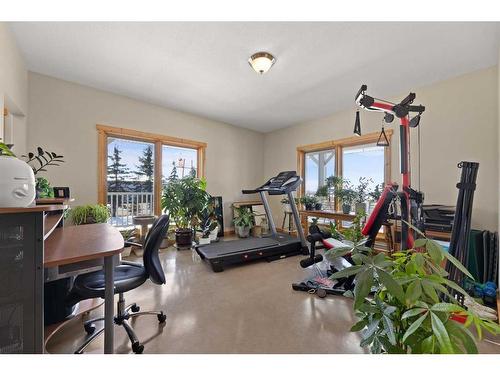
(63, 117)
(460, 123)
(13, 88)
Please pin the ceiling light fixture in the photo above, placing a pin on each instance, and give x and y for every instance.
(261, 62)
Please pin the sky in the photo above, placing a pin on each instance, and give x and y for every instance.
(132, 150)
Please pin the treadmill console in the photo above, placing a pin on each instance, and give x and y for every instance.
(283, 183)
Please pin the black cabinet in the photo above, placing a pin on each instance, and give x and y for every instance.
(21, 282)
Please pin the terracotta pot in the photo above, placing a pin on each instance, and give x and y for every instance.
(183, 237)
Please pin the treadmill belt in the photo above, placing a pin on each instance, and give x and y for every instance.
(236, 246)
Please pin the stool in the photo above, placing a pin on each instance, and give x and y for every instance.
(288, 215)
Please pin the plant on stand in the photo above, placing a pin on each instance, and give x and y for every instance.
(322, 195)
(243, 221)
(309, 201)
(39, 161)
(185, 200)
(405, 303)
(362, 194)
(346, 197)
(89, 214)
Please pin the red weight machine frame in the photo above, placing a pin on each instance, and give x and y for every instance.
(411, 200)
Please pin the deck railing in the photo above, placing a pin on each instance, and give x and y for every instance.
(125, 205)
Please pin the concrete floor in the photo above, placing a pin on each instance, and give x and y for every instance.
(245, 309)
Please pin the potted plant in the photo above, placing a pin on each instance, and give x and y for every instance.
(185, 200)
(89, 214)
(346, 196)
(39, 161)
(309, 201)
(243, 221)
(362, 194)
(374, 195)
(129, 235)
(322, 195)
(412, 308)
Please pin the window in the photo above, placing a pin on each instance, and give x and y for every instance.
(363, 161)
(318, 166)
(350, 158)
(130, 179)
(133, 167)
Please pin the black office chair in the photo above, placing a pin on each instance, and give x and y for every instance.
(127, 276)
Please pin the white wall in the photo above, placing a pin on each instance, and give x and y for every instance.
(460, 123)
(13, 88)
(63, 117)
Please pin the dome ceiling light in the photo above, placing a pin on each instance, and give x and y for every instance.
(261, 62)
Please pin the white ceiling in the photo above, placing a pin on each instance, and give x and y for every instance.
(202, 68)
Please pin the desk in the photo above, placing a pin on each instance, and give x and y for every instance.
(333, 215)
(77, 244)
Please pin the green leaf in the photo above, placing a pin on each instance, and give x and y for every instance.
(454, 286)
(430, 291)
(416, 311)
(441, 334)
(347, 272)
(359, 326)
(428, 345)
(446, 307)
(420, 242)
(364, 282)
(413, 292)
(419, 260)
(379, 258)
(455, 262)
(414, 326)
(463, 334)
(392, 286)
(372, 328)
(435, 251)
(389, 329)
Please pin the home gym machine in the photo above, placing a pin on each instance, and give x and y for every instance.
(275, 246)
(411, 201)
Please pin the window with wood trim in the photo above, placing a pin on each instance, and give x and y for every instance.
(133, 168)
(350, 158)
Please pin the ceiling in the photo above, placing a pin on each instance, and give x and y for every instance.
(202, 68)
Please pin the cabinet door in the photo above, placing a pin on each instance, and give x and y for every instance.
(21, 285)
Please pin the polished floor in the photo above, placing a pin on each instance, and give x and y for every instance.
(245, 309)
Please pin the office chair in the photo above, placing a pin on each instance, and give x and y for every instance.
(127, 276)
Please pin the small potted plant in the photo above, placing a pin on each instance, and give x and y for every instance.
(129, 235)
(322, 195)
(346, 196)
(89, 214)
(243, 221)
(39, 161)
(362, 194)
(185, 200)
(375, 195)
(309, 202)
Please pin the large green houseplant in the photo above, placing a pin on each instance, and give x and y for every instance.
(185, 200)
(405, 303)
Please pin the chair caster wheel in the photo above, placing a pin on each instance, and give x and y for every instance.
(137, 348)
(135, 308)
(89, 328)
(162, 318)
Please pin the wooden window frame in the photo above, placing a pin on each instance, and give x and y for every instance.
(159, 140)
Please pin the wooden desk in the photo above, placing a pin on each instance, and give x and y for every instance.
(75, 244)
(333, 215)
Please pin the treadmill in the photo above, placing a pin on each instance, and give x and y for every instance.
(273, 247)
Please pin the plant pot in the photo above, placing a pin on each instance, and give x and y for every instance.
(126, 251)
(213, 234)
(318, 206)
(204, 241)
(257, 231)
(360, 208)
(183, 237)
(138, 251)
(309, 206)
(346, 208)
(243, 232)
